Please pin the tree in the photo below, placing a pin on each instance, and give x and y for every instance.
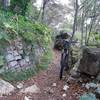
(43, 8)
(32, 11)
(90, 10)
(41, 14)
(19, 6)
(74, 28)
(55, 14)
(75, 19)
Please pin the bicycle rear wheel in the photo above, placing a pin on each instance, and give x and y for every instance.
(62, 63)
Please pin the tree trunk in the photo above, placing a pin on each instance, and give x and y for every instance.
(74, 27)
(86, 34)
(92, 20)
(75, 20)
(41, 14)
(82, 28)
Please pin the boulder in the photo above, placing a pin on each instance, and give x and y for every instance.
(27, 59)
(90, 61)
(89, 96)
(31, 89)
(20, 85)
(27, 98)
(15, 53)
(13, 63)
(22, 62)
(98, 77)
(91, 85)
(5, 88)
(18, 57)
(97, 92)
(9, 57)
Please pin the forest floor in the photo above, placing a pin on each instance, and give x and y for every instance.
(51, 87)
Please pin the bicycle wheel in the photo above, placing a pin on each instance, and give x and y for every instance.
(62, 64)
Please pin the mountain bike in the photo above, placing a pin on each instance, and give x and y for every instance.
(64, 58)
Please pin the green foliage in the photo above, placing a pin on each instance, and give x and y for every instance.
(12, 26)
(45, 60)
(22, 4)
(1, 61)
(33, 32)
(7, 32)
(94, 38)
(32, 12)
(28, 36)
(18, 76)
(4, 36)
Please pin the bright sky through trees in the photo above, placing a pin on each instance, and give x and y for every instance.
(64, 2)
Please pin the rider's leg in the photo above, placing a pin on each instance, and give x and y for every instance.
(66, 62)
(62, 65)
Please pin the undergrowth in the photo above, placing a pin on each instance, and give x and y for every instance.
(45, 60)
(18, 76)
(13, 26)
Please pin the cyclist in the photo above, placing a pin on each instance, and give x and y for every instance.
(64, 57)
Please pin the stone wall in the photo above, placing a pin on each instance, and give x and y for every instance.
(18, 58)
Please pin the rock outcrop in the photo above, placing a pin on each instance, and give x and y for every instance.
(19, 56)
(31, 89)
(90, 61)
(16, 59)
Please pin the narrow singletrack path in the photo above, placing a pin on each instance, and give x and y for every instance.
(45, 80)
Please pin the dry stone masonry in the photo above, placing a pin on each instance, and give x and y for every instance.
(17, 59)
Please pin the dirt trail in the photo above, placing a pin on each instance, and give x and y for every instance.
(44, 81)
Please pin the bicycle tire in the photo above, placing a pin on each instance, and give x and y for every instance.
(62, 64)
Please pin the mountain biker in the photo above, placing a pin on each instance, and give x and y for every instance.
(64, 57)
(65, 51)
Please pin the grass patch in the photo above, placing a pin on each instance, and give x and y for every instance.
(45, 60)
(18, 76)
